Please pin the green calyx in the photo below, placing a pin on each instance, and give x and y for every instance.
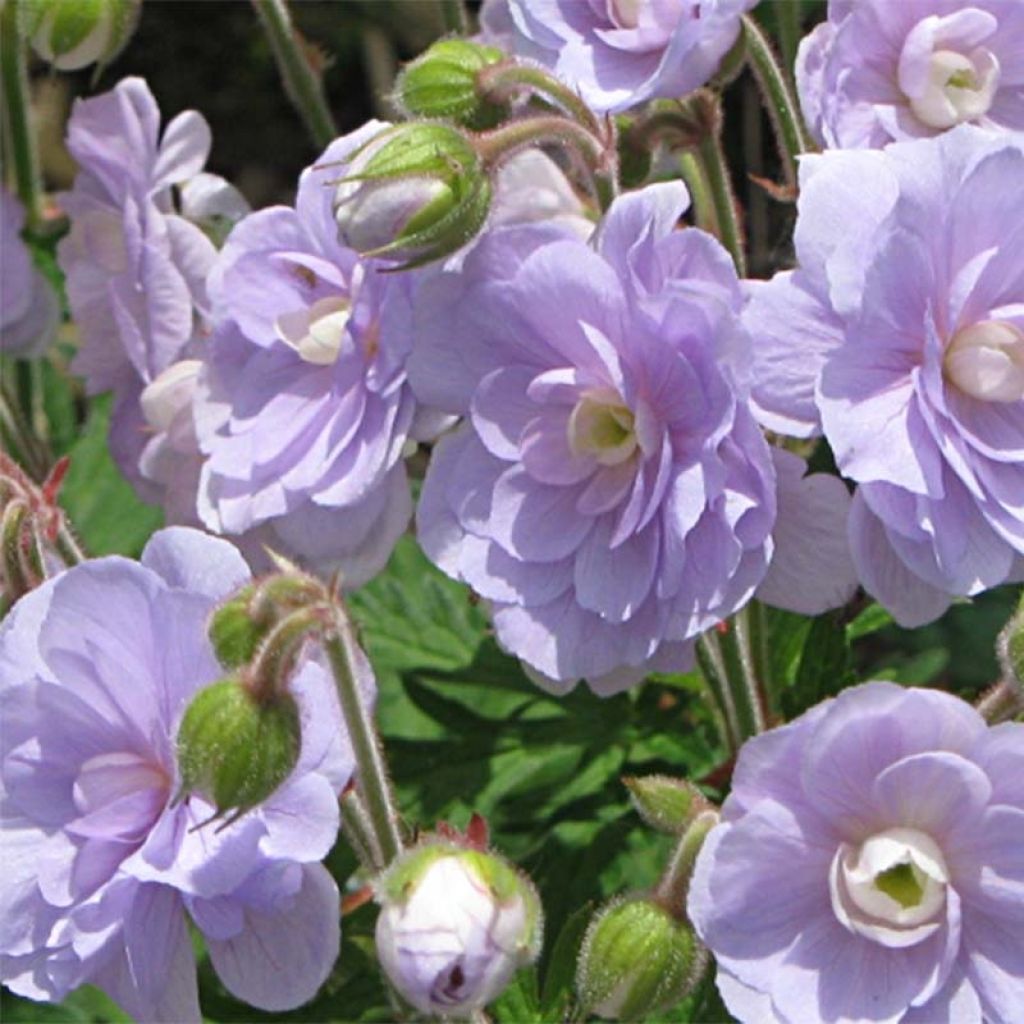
(666, 804)
(438, 163)
(235, 750)
(235, 631)
(74, 33)
(636, 959)
(442, 83)
(506, 884)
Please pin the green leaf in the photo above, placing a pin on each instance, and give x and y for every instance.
(869, 621)
(103, 508)
(519, 1003)
(824, 667)
(560, 976)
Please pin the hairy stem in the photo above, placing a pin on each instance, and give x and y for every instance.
(371, 776)
(674, 885)
(716, 171)
(18, 116)
(790, 133)
(301, 82)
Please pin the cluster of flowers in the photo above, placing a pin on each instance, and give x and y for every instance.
(600, 476)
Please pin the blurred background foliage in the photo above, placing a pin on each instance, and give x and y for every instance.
(464, 730)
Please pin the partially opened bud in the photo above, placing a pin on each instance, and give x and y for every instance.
(235, 749)
(416, 193)
(636, 960)
(455, 924)
(72, 34)
(442, 83)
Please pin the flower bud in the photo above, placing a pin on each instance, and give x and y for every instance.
(664, 803)
(235, 631)
(442, 83)
(455, 924)
(415, 193)
(636, 960)
(72, 34)
(235, 750)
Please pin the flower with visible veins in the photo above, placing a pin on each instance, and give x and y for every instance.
(869, 866)
(608, 493)
(879, 71)
(902, 340)
(102, 866)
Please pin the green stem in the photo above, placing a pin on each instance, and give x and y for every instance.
(741, 677)
(790, 15)
(371, 777)
(700, 195)
(790, 132)
(358, 830)
(1002, 702)
(599, 154)
(301, 83)
(674, 885)
(34, 456)
(712, 667)
(498, 80)
(67, 546)
(453, 14)
(18, 111)
(716, 171)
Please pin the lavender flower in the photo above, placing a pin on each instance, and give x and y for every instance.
(620, 53)
(100, 867)
(878, 71)
(135, 269)
(305, 412)
(29, 311)
(902, 338)
(869, 866)
(609, 493)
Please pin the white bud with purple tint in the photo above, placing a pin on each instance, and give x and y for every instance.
(455, 925)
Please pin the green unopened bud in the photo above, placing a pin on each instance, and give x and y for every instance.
(416, 193)
(72, 34)
(455, 924)
(442, 83)
(235, 631)
(235, 750)
(636, 960)
(666, 804)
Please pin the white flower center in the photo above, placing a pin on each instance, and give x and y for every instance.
(892, 889)
(986, 361)
(603, 427)
(959, 88)
(316, 333)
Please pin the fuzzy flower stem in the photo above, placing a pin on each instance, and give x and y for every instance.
(67, 546)
(741, 675)
(18, 115)
(697, 183)
(778, 98)
(712, 667)
(674, 885)
(371, 775)
(453, 15)
(301, 82)
(1002, 702)
(598, 153)
(358, 830)
(17, 432)
(716, 171)
(498, 80)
